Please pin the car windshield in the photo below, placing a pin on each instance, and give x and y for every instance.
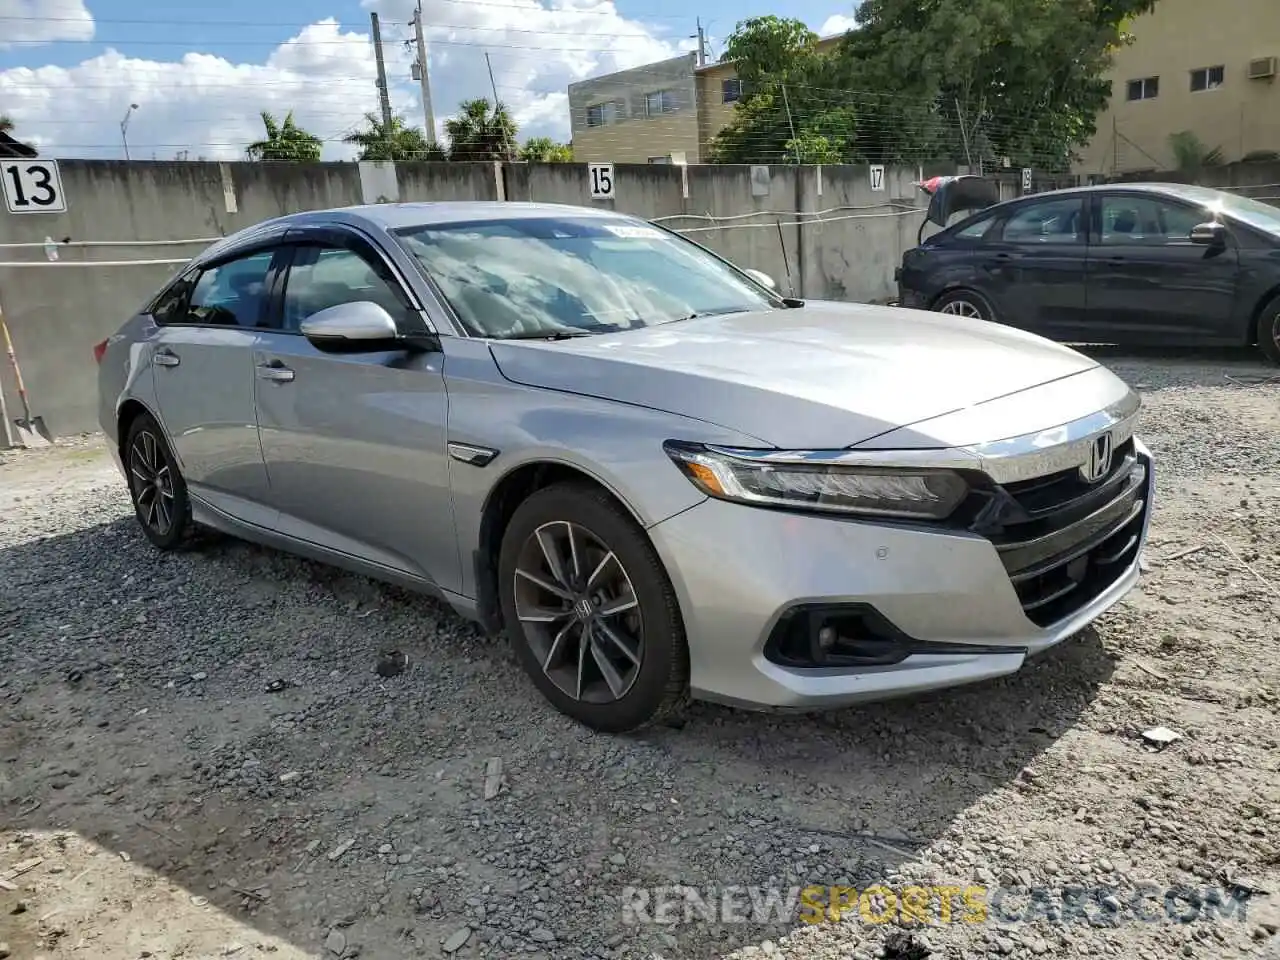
(558, 276)
(1259, 215)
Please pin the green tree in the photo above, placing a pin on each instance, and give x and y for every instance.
(395, 142)
(546, 150)
(972, 81)
(979, 80)
(284, 141)
(481, 132)
(6, 124)
(1191, 155)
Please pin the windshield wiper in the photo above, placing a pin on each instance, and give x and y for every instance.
(547, 335)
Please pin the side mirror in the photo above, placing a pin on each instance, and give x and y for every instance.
(359, 327)
(1209, 234)
(759, 276)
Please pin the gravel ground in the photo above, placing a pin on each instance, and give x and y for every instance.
(201, 751)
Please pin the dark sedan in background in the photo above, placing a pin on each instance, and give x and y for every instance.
(1134, 264)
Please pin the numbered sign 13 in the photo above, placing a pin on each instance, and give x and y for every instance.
(877, 177)
(32, 186)
(602, 183)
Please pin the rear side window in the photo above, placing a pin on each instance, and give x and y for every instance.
(1047, 221)
(976, 230)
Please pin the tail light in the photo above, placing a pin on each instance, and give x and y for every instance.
(98, 350)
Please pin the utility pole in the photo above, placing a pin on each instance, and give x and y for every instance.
(702, 45)
(427, 113)
(511, 153)
(384, 96)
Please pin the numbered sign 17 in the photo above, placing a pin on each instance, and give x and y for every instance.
(32, 186)
(600, 176)
(877, 177)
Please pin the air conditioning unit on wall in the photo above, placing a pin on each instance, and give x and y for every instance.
(1262, 69)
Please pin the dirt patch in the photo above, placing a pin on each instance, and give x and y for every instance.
(200, 752)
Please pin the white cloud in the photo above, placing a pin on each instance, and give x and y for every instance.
(44, 21)
(209, 106)
(837, 23)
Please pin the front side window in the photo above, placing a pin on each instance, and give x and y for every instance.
(1048, 221)
(569, 275)
(323, 277)
(1147, 220)
(231, 294)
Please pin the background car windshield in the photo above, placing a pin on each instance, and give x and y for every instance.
(549, 275)
(1255, 213)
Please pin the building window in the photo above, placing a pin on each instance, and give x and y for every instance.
(731, 90)
(1148, 88)
(599, 114)
(660, 101)
(1207, 78)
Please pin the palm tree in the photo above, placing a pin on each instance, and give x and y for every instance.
(481, 133)
(396, 142)
(284, 141)
(6, 123)
(545, 150)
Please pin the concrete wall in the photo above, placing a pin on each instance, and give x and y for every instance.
(818, 231)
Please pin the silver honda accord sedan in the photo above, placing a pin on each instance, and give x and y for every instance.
(657, 475)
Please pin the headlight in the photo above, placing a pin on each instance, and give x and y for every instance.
(786, 480)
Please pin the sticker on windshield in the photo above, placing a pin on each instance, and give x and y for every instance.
(629, 232)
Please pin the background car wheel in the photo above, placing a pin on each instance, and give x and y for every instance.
(1269, 331)
(156, 485)
(590, 610)
(965, 303)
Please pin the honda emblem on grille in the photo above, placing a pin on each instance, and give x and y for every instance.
(1099, 462)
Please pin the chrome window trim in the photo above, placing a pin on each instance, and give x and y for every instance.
(1024, 457)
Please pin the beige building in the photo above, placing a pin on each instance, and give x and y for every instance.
(1208, 66)
(665, 112)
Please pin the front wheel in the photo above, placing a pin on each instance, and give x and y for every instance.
(1269, 331)
(965, 303)
(159, 493)
(590, 611)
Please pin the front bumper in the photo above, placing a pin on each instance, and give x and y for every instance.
(738, 570)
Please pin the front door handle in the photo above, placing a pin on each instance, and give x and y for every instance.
(165, 358)
(275, 371)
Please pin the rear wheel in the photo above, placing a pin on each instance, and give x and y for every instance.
(965, 303)
(590, 611)
(1269, 331)
(159, 493)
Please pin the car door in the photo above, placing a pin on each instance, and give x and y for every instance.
(202, 354)
(1034, 261)
(1147, 282)
(354, 443)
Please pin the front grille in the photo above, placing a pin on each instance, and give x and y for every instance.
(1063, 540)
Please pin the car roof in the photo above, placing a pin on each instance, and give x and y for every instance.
(1183, 191)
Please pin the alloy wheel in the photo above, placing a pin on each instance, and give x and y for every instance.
(579, 613)
(961, 308)
(152, 483)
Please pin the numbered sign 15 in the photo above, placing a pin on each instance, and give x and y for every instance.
(602, 183)
(32, 186)
(877, 177)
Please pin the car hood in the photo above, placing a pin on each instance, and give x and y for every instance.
(825, 375)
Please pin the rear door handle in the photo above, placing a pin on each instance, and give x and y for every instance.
(275, 371)
(165, 358)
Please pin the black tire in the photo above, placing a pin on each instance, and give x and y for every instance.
(1269, 331)
(156, 486)
(965, 303)
(552, 651)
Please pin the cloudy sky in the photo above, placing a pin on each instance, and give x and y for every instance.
(200, 73)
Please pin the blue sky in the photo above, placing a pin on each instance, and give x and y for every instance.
(70, 68)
